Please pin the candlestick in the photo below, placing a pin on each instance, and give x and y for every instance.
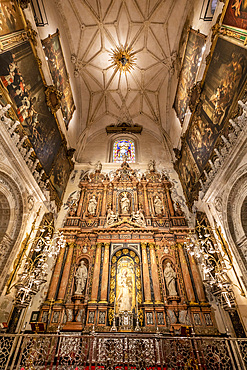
(114, 328)
(137, 328)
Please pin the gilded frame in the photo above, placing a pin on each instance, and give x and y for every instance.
(189, 70)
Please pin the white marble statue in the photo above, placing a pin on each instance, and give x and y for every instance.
(80, 278)
(139, 218)
(98, 166)
(92, 205)
(151, 165)
(111, 217)
(124, 297)
(170, 279)
(125, 204)
(158, 207)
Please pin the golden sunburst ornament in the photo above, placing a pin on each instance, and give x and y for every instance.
(123, 59)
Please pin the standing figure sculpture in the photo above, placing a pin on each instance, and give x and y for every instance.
(125, 204)
(170, 279)
(98, 167)
(151, 165)
(92, 205)
(124, 298)
(158, 207)
(80, 278)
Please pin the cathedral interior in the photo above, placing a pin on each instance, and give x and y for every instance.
(123, 180)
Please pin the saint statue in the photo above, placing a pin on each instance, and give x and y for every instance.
(98, 167)
(158, 207)
(124, 297)
(111, 217)
(125, 204)
(80, 278)
(139, 218)
(170, 278)
(92, 205)
(151, 165)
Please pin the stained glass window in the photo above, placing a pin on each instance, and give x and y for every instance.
(121, 147)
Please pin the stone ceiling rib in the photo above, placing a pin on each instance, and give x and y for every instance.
(104, 25)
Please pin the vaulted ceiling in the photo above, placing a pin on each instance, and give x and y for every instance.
(152, 29)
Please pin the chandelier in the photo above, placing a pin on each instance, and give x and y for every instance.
(46, 245)
(203, 246)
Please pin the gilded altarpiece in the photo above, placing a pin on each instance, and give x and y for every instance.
(125, 259)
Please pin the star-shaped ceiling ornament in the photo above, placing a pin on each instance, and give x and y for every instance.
(123, 59)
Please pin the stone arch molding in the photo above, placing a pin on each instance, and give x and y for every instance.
(11, 191)
(232, 204)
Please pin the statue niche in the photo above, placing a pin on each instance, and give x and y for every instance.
(170, 277)
(80, 278)
(125, 203)
(92, 205)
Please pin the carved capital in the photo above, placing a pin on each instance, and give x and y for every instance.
(151, 246)
(107, 245)
(71, 244)
(98, 245)
(143, 245)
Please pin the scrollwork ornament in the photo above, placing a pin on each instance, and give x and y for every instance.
(24, 3)
(194, 94)
(53, 98)
(208, 58)
(218, 204)
(31, 33)
(216, 28)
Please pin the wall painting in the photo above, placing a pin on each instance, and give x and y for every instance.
(61, 170)
(20, 75)
(10, 17)
(236, 14)
(225, 78)
(56, 62)
(190, 65)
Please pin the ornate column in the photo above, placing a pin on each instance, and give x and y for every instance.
(103, 210)
(66, 271)
(197, 279)
(105, 272)
(146, 280)
(170, 204)
(155, 275)
(55, 277)
(186, 275)
(145, 199)
(95, 283)
(79, 208)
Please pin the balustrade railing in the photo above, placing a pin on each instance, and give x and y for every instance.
(120, 351)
